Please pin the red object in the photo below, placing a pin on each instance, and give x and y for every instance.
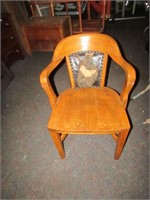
(102, 7)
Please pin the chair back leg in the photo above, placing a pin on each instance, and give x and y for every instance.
(122, 137)
(58, 143)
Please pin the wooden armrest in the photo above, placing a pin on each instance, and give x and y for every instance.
(130, 79)
(45, 83)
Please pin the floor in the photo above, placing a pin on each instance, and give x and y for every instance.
(31, 167)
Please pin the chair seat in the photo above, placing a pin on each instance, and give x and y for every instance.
(88, 110)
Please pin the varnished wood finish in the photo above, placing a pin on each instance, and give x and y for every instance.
(44, 33)
(120, 143)
(63, 137)
(58, 143)
(89, 110)
(81, 25)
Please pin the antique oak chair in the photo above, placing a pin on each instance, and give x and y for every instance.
(88, 107)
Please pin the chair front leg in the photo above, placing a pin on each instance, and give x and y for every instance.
(58, 143)
(122, 136)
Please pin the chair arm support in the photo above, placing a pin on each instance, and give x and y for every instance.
(130, 75)
(45, 83)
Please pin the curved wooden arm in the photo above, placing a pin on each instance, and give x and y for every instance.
(130, 78)
(45, 83)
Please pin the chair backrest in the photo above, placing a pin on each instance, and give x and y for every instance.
(86, 56)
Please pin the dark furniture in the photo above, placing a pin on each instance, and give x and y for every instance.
(44, 33)
(80, 12)
(6, 76)
(10, 47)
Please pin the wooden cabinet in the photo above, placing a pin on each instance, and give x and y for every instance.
(44, 33)
(6, 76)
(10, 47)
(80, 12)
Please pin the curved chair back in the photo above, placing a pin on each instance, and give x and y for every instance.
(87, 55)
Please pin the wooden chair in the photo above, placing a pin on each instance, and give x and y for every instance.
(88, 107)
